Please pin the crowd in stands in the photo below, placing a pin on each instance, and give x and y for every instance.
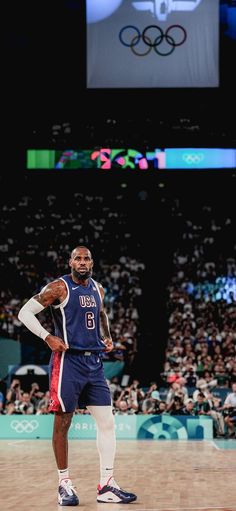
(201, 307)
(30, 259)
(134, 399)
(201, 345)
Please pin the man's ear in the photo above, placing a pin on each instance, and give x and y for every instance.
(70, 262)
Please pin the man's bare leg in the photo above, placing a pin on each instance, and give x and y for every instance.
(62, 422)
(66, 492)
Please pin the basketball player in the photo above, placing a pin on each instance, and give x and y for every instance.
(76, 372)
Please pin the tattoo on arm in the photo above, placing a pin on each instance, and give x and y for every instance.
(55, 292)
(104, 324)
(104, 321)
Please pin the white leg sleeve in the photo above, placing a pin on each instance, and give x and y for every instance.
(106, 438)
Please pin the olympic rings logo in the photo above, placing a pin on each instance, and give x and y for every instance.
(193, 158)
(169, 36)
(24, 426)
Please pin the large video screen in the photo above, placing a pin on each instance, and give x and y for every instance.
(132, 159)
(152, 43)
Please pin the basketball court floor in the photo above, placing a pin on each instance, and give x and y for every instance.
(166, 475)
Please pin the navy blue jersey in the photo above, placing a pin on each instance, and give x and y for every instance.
(77, 318)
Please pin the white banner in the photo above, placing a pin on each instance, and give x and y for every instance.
(152, 43)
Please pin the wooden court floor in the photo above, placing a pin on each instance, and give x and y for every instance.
(168, 475)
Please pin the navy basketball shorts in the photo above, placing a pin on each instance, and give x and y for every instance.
(77, 380)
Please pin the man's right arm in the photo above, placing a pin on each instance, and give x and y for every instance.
(54, 292)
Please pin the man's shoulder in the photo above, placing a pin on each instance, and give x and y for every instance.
(57, 281)
(96, 283)
(53, 287)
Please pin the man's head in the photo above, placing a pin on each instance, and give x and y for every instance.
(189, 404)
(234, 387)
(162, 406)
(200, 397)
(81, 263)
(123, 406)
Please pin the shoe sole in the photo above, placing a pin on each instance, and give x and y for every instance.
(59, 504)
(117, 502)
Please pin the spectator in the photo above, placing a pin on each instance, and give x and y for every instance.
(14, 392)
(1, 402)
(25, 406)
(229, 408)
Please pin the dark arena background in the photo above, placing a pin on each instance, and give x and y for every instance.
(120, 135)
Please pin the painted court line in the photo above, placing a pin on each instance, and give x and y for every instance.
(185, 508)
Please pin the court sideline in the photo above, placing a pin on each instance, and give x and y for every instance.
(166, 475)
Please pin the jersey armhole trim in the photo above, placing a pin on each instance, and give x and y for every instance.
(97, 287)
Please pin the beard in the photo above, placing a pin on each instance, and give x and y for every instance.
(82, 276)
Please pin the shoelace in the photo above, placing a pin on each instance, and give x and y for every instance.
(111, 482)
(68, 486)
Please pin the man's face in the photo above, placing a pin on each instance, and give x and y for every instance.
(190, 405)
(81, 263)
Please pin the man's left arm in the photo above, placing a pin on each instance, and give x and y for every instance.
(104, 325)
